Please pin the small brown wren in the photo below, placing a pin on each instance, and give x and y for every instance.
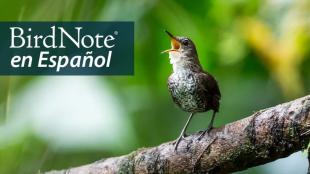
(192, 89)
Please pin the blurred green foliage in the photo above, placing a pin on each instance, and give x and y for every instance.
(257, 50)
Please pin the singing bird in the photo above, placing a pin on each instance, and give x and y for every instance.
(192, 89)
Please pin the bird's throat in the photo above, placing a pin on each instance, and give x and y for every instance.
(182, 63)
(176, 61)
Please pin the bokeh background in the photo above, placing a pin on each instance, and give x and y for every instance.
(258, 51)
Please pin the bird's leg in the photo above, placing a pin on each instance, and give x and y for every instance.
(209, 127)
(182, 135)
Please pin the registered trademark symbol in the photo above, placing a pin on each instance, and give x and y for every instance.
(116, 32)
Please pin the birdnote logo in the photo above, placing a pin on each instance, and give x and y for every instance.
(19, 39)
(66, 48)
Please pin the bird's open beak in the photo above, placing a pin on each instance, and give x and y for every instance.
(175, 43)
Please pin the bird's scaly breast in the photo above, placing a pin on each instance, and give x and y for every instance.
(183, 88)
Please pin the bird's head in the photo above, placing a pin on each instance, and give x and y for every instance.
(182, 51)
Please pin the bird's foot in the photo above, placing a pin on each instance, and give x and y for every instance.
(177, 142)
(202, 133)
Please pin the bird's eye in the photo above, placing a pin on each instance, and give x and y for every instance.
(185, 42)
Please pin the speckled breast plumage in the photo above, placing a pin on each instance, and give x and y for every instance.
(186, 91)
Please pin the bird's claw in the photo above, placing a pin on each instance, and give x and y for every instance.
(204, 132)
(176, 143)
(180, 137)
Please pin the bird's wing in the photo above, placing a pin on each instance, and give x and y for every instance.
(210, 89)
(209, 84)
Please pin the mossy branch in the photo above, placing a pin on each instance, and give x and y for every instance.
(263, 137)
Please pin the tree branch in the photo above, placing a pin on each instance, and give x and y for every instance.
(263, 137)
